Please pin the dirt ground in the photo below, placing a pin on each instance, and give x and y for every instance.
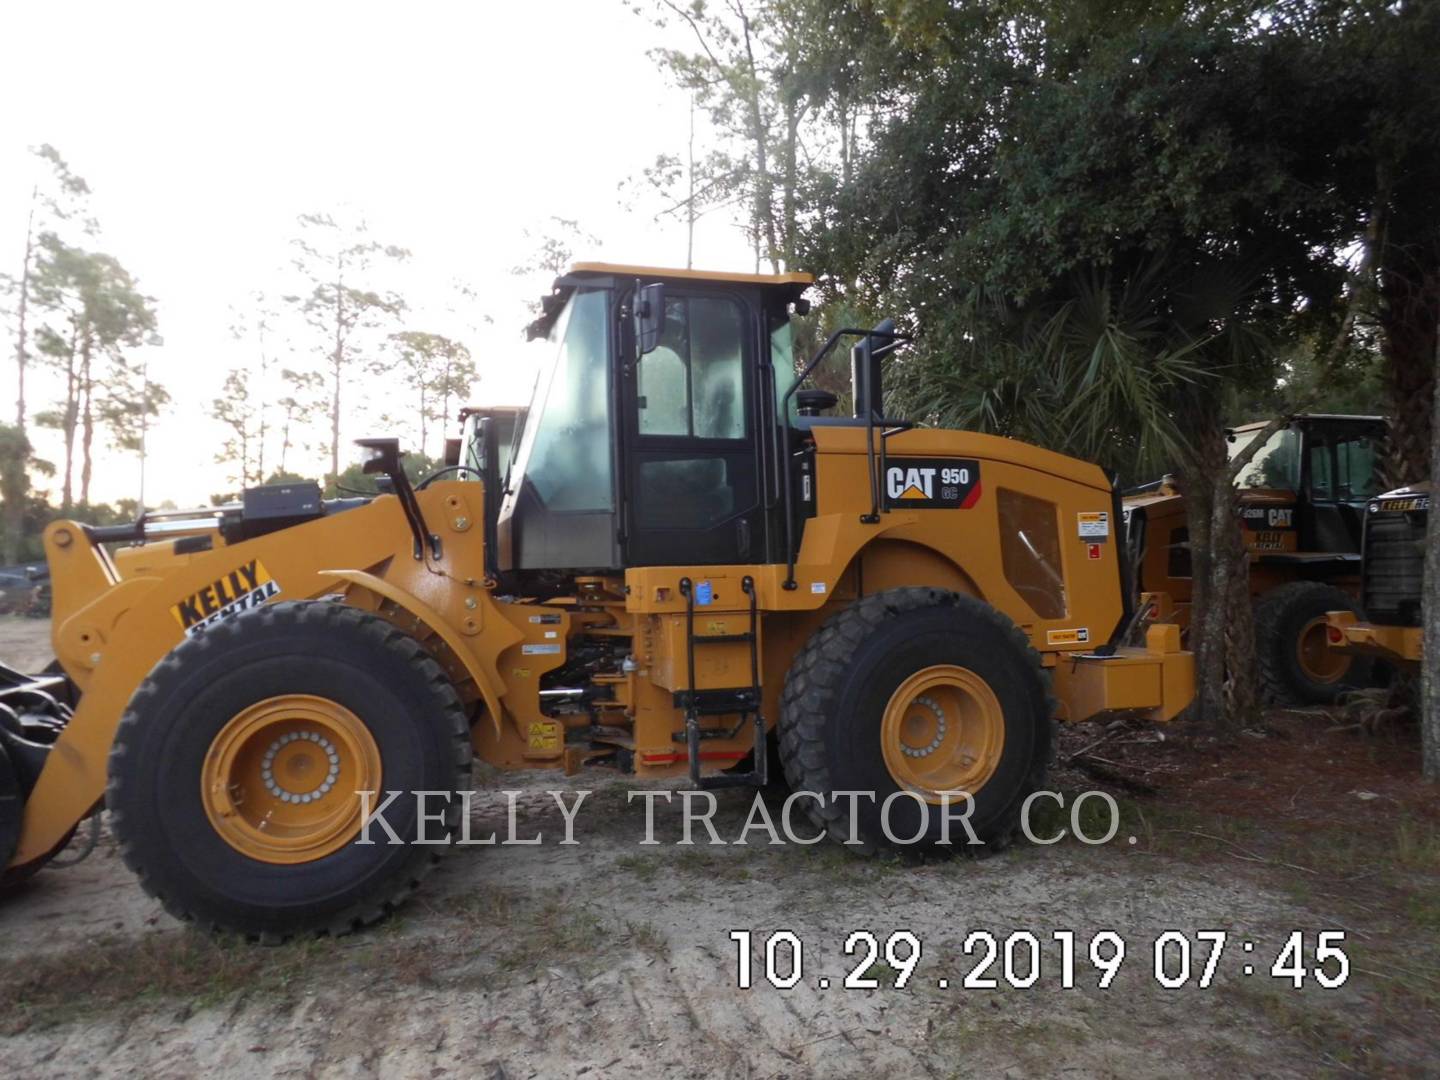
(613, 958)
(25, 643)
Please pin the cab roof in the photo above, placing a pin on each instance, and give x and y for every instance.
(1256, 425)
(791, 284)
(625, 270)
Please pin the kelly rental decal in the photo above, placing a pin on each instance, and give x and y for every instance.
(247, 586)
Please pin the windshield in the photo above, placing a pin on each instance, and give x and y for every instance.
(1275, 465)
(565, 451)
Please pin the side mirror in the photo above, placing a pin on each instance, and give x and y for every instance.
(649, 317)
(381, 456)
(865, 358)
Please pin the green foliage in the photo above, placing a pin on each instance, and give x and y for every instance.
(94, 312)
(338, 260)
(240, 413)
(438, 370)
(20, 529)
(782, 83)
(1092, 215)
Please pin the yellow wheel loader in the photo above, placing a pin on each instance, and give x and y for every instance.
(1302, 501)
(686, 561)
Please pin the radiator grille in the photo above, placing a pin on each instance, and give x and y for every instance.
(1394, 567)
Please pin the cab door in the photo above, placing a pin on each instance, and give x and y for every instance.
(692, 475)
(1342, 474)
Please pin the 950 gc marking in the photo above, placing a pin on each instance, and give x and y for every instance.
(932, 483)
(1020, 960)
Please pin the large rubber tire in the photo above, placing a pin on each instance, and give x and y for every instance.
(836, 693)
(328, 650)
(1282, 615)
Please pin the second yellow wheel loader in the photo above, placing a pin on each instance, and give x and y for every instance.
(686, 557)
(1302, 502)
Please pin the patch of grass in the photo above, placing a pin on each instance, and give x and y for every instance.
(713, 863)
(882, 973)
(1423, 909)
(486, 907)
(521, 930)
(186, 965)
(646, 938)
(1416, 845)
(614, 798)
(644, 867)
(1335, 1036)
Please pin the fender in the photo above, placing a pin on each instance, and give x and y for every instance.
(485, 680)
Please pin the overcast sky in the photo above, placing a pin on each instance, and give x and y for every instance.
(204, 130)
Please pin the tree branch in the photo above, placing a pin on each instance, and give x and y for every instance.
(1332, 355)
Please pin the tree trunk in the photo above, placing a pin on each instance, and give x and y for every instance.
(338, 367)
(792, 136)
(87, 421)
(1211, 523)
(1242, 675)
(264, 405)
(445, 399)
(1430, 606)
(69, 422)
(760, 134)
(21, 342)
(1410, 310)
(690, 199)
(17, 484)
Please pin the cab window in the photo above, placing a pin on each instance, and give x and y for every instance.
(1030, 551)
(693, 385)
(1275, 465)
(568, 457)
(1344, 466)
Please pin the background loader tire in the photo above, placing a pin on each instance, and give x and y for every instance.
(1293, 672)
(334, 654)
(837, 692)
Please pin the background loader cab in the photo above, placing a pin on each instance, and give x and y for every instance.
(483, 428)
(1303, 499)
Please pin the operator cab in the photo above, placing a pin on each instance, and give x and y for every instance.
(1320, 470)
(653, 440)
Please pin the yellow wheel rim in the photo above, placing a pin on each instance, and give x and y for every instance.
(943, 731)
(1317, 659)
(280, 779)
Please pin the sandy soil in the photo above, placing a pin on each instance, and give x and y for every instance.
(611, 958)
(25, 643)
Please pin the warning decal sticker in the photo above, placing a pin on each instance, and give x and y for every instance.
(1094, 525)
